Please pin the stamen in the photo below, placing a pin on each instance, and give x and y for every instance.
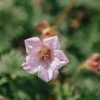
(44, 53)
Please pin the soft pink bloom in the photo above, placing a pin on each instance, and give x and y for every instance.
(93, 63)
(44, 57)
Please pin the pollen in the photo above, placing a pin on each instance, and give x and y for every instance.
(44, 53)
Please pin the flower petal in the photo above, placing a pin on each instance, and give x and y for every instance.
(52, 73)
(52, 42)
(55, 74)
(55, 63)
(43, 74)
(47, 74)
(59, 59)
(32, 45)
(31, 65)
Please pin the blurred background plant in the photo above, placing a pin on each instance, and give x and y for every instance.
(78, 24)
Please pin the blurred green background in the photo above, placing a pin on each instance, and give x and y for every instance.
(78, 23)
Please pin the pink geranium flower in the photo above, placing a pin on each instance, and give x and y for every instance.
(44, 57)
(93, 63)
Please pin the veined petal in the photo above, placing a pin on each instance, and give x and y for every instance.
(32, 45)
(55, 74)
(52, 42)
(43, 74)
(55, 63)
(31, 65)
(52, 73)
(47, 74)
(59, 59)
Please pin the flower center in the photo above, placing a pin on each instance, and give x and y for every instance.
(44, 53)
